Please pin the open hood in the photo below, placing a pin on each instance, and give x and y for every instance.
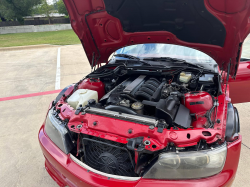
(215, 27)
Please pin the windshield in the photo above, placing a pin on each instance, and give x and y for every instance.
(166, 50)
(245, 48)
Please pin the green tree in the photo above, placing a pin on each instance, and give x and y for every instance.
(61, 8)
(55, 5)
(46, 9)
(16, 9)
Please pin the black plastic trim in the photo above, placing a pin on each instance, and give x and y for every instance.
(233, 123)
(62, 92)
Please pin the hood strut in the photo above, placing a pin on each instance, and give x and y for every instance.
(92, 63)
(99, 54)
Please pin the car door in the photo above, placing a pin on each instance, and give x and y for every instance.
(239, 89)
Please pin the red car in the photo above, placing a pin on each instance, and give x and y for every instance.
(157, 108)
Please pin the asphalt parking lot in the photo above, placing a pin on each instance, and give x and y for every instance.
(32, 70)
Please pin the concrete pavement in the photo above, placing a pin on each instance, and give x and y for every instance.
(27, 71)
(34, 70)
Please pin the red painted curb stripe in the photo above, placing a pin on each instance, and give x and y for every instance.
(29, 95)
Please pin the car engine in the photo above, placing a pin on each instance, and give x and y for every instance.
(150, 97)
(119, 121)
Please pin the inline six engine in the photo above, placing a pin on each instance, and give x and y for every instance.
(149, 96)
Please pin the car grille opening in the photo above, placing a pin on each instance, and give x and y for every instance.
(108, 157)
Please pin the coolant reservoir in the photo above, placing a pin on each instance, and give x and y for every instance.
(81, 97)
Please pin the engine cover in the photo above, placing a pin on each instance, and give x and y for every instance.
(171, 111)
(134, 88)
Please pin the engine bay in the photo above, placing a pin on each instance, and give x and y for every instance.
(128, 116)
(173, 101)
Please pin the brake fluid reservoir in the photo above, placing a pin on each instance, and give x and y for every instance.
(81, 97)
(185, 77)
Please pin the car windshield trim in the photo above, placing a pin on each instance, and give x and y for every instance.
(127, 56)
(164, 59)
(165, 51)
(175, 60)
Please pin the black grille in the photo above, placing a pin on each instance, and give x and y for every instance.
(108, 157)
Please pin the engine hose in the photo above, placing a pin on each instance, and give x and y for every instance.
(100, 75)
(157, 94)
(102, 71)
(118, 68)
(128, 97)
(121, 109)
(105, 74)
(209, 117)
(143, 94)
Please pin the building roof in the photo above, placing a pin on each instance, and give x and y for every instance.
(43, 15)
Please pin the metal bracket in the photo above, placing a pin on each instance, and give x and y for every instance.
(161, 126)
(136, 144)
(228, 71)
(80, 109)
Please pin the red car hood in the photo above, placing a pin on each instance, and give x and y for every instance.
(215, 27)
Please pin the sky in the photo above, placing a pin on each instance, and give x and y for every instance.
(50, 1)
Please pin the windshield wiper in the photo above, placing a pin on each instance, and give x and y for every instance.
(176, 60)
(127, 56)
(188, 63)
(133, 58)
(164, 59)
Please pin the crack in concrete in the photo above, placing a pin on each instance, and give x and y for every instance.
(245, 145)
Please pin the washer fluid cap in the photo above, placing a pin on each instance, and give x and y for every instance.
(83, 91)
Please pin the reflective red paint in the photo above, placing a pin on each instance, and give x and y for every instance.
(94, 84)
(240, 88)
(108, 128)
(231, 14)
(66, 172)
(198, 102)
(102, 34)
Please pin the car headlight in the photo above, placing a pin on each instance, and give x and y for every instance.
(188, 165)
(57, 132)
